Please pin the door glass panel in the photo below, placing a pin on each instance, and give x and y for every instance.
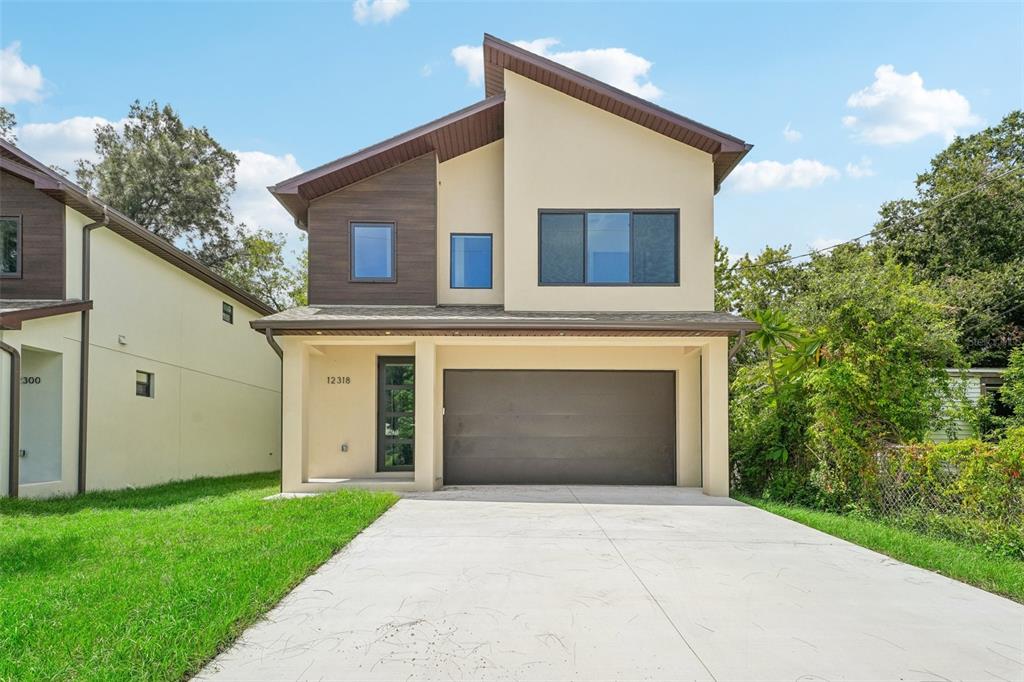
(396, 421)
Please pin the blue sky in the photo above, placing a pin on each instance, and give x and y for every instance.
(292, 85)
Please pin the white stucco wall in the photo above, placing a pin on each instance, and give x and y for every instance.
(563, 153)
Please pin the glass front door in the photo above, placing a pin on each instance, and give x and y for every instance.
(396, 419)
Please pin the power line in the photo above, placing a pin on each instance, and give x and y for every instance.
(875, 231)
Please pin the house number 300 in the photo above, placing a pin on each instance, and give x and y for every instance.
(31, 380)
(339, 380)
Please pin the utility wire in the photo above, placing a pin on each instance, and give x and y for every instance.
(877, 230)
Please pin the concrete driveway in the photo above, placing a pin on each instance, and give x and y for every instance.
(591, 583)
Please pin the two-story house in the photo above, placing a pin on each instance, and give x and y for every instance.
(520, 292)
(125, 362)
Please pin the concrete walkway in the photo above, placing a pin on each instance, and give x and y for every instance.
(588, 583)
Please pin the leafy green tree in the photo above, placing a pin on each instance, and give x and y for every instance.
(174, 180)
(7, 124)
(965, 231)
(723, 278)
(1012, 392)
(258, 265)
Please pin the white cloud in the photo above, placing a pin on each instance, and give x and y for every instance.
(64, 142)
(613, 65)
(790, 134)
(377, 11)
(860, 170)
(251, 203)
(426, 70)
(897, 108)
(758, 176)
(19, 82)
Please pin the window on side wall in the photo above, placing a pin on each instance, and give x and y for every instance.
(372, 252)
(227, 312)
(609, 248)
(471, 261)
(10, 246)
(144, 384)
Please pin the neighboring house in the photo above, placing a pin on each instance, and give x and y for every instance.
(134, 364)
(520, 292)
(973, 384)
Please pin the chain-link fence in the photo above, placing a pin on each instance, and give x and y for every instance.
(965, 494)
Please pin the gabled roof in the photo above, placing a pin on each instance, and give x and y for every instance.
(15, 161)
(500, 55)
(483, 123)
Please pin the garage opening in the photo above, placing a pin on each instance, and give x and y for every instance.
(530, 427)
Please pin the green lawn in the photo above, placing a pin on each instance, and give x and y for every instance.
(151, 583)
(968, 563)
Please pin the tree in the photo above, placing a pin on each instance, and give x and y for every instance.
(964, 231)
(1012, 392)
(174, 180)
(7, 124)
(258, 265)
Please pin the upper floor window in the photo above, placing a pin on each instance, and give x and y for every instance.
(10, 246)
(372, 252)
(227, 312)
(144, 384)
(609, 247)
(471, 261)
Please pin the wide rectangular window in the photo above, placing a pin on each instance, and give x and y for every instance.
(10, 246)
(609, 247)
(227, 312)
(372, 252)
(471, 261)
(144, 384)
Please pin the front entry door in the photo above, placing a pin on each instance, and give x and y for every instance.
(396, 418)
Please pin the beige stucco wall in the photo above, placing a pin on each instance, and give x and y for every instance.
(320, 416)
(58, 334)
(469, 199)
(563, 153)
(216, 384)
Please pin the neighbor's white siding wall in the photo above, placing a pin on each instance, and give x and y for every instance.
(217, 387)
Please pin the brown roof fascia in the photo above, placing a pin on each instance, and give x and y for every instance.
(294, 193)
(72, 195)
(12, 320)
(500, 55)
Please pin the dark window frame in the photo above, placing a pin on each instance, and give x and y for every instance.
(451, 258)
(632, 212)
(227, 312)
(150, 384)
(382, 387)
(19, 241)
(352, 224)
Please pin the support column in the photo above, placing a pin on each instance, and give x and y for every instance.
(715, 416)
(426, 365)
(294, 389)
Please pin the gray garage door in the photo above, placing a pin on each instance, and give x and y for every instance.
(533, 427)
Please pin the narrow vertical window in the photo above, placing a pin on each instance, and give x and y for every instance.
(471, 261)
(144, 384)
(10, 246)
(608, 248)
(372, 252)
(654, 248)
(227, 312)
(561, 248)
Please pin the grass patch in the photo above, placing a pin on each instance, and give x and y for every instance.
(151, 583)
(968, 563)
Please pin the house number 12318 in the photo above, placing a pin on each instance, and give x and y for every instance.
(339, 380)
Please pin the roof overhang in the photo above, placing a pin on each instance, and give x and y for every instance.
(449, 136)
(15, 161)
(14, 313)
(500, 55)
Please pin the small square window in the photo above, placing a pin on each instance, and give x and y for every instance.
(227, 313)
(144, 384)
(471, 261)
(372, 252)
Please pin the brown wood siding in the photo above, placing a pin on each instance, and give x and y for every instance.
(42, 241)
(406, 196)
